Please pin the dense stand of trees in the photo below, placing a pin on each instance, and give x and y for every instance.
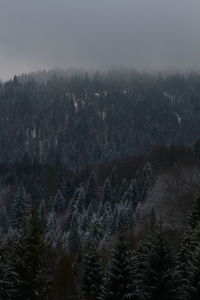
(87, 119)
(32, 268)
(96, 202)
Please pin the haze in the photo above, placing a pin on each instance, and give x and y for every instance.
(141, 34)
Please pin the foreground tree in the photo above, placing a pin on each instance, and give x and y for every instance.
(30, 260)
(152, 262)
(117, 278)
(92, 272)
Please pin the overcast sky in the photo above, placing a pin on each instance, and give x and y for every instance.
(144, 34)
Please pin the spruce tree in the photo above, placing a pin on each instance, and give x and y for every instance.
(92, 192)
(194, 218)
(20, 209)
(59, 202)
(8, 276)
(117, 277)
(30, 260)
(152, 262)
(92, 272)
(184, 269)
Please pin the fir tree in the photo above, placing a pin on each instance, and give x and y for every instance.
(117, 278)
(152, 262)
(8, 276)
(194, 218)
(107, 192)
(92, 192)
(74, 242)
(20, 209)
(4, 223)
(30, 260)
(183, 272)
(64, 285)
(92, 272)
(59, 202)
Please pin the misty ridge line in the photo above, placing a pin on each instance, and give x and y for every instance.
(115, 73)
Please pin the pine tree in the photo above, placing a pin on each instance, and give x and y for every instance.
(43, 212)
(183, 272)
(117, 278)
(64, 285)
(107, 192)
(30, 260)
(8, 276)
(59, 202)
(92, 192)
(114, 180)
(132, 194)
(4, 223)
(123, 189)
(20, 209)
(74, 241)
(79, 199)
(152, 262)
(92, 272)
(194, 218)
(144, 181)
(53, 233)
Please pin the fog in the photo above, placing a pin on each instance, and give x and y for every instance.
(141, 34)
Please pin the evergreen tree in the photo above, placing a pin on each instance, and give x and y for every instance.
(152, 262)
(92, 192)
(8, 276)
(43, 212)
(79, 199)
(92, 272)
(117, 278)
(183, 272)
(194, 218)
(30, 260)
(144, 181)
(107, 192)
(20, 209)
(4, 223)
(123, 189)
(59, 202)
(74, 241)
(53, 234)
(64, 285)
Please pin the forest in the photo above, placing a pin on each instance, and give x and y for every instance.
(100, 186)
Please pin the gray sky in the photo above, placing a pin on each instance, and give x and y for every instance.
(144, 34)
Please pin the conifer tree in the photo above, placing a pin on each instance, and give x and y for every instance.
(183, 272)
(8, 276)
(59, 202)
(194, 218)
(152, 262)
(92, 192)
(92, 272)
(107, 192)
(4, 223)
(53, 234)
(117, 277)
(30, 260)
(123, 189)
(20, 209)
(64, 286)
(74, 241)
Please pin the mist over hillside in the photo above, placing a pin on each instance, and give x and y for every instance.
(99, 150)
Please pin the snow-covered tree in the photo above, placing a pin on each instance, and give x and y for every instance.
(59, 202)
(20, 209)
